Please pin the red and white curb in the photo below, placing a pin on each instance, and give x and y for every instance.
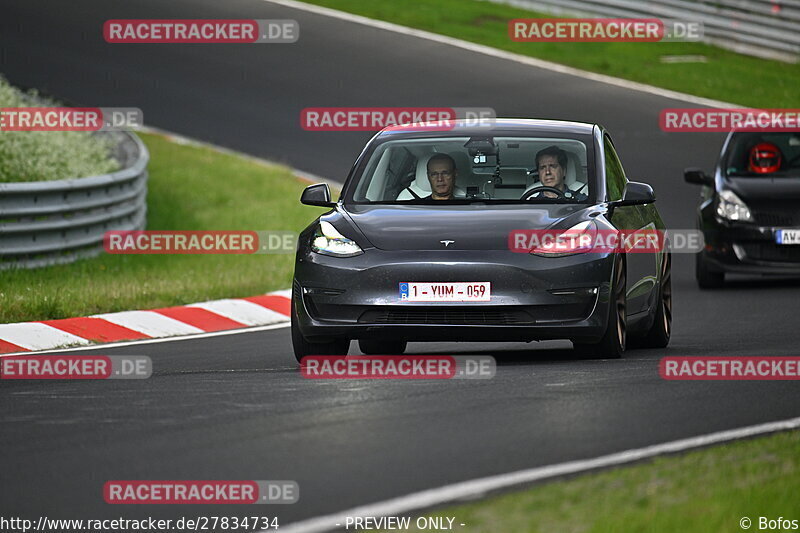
(203, 317)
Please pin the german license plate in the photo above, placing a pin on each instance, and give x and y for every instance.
(474, 291)
(787, 236)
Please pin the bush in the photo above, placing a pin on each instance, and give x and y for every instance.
(41, 156)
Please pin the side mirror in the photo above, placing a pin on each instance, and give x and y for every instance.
(697, 177)
(638, 193)
(318, 195)
(635, 194)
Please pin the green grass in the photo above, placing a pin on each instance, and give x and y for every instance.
(704, 491)
(727, 76)
(190, 188)
(51, 155)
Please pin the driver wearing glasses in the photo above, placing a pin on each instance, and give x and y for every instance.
(442, 175)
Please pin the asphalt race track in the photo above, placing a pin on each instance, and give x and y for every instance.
(235, 406)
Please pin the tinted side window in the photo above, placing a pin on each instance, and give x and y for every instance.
(615, 175)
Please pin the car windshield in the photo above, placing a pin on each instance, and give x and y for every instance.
(475, 169)
(759, 155)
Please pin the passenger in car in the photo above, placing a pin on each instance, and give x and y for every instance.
(442, 175)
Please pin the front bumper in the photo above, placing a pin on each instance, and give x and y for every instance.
(532, 298)
(749, 249)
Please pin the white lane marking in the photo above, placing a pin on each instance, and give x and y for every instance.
(152, 341)
(479, 487)
(242, 311)
(494, 52)
(150, 323)
(36, 336)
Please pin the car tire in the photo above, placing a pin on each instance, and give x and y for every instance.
(381, 347)
(659, 333)
(612, 345)
(303, 347)
(707, 278)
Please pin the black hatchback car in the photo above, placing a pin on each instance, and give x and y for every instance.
(417, 247)
(750, 208)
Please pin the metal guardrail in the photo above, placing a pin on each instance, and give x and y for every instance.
(764, 28)
(51, 222)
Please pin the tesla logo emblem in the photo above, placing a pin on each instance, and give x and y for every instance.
(447, 243)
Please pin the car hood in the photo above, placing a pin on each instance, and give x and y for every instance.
(470, 227)
(762, 188)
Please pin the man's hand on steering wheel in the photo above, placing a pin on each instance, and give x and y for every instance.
(530, 193)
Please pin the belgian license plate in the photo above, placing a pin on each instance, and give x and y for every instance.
(787, 236)
(474, 291)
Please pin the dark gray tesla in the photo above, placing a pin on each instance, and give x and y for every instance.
(390, 263)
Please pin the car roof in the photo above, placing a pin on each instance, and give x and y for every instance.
(496, 126)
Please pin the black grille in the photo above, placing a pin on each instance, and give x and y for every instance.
(447, 316)
(776, 219)
(767, 251)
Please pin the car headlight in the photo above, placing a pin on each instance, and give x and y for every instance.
(731, 207)
(328, 241)
(576, 240)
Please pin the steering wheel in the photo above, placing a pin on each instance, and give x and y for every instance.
(527, 195)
